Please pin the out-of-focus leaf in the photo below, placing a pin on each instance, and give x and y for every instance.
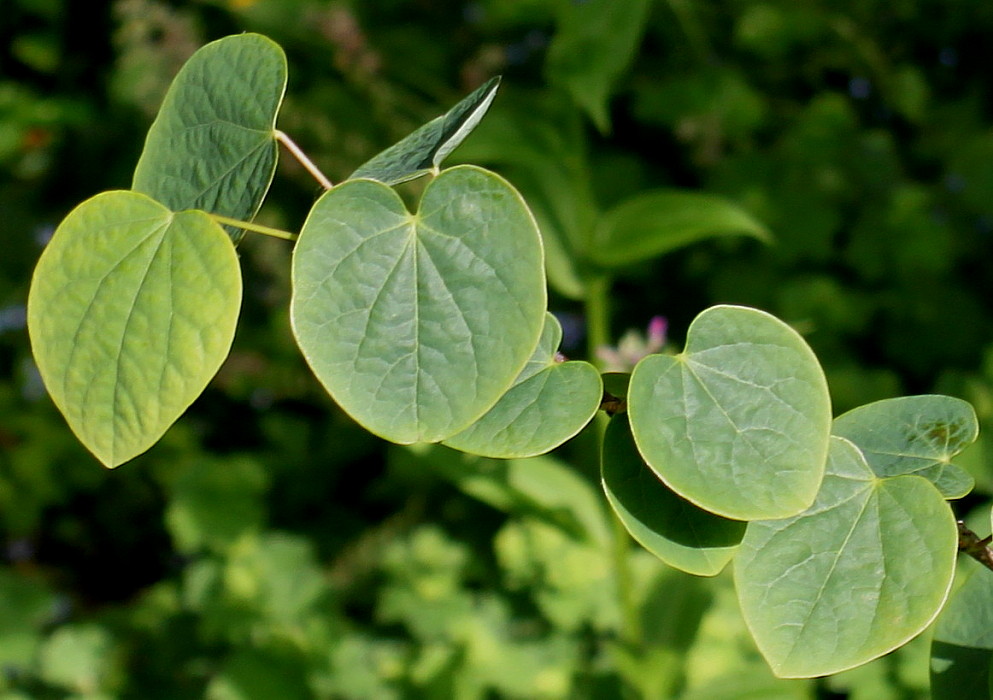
(593, 45)
(655, 223)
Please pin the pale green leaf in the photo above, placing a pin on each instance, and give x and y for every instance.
(416, 324)
(593, 45)
(866, 568)
(132, 310)
(962, 647)
(423, 151)
(738, 423)
(654, 223)
(78, 657)
(914, 435)
(27, 608)
(539, 144)
(213, 144)
(549, 403)
(667, 525)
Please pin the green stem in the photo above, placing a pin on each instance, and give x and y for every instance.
(597, 304)
(306, 162)
(257, 228)
(597, 315)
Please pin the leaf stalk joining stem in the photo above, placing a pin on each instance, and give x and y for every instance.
(257, 228)
(971, 544)
(306, 162)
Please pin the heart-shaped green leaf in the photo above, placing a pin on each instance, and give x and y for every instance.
(417, 323)
(667, 525)
(962, 648)
(860, 573)
(549, 403)
(132, 310)
(655, 223)
(738, 423)
(914, 435)
(423, 150)
(213, 144)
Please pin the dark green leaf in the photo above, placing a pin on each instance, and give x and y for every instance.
(670, 527)
(423, 151)
(213, 144)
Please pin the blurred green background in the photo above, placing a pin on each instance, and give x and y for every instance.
(269, 548)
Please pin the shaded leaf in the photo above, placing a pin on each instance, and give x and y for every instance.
(962, 647)
(549, 403)
(424, 150)
(594, 44)
(860, 573)
(416, 324)
(651, 224)
(738, 423)
(914, 435)
(670, 527)
(132, 310)
(213, 144)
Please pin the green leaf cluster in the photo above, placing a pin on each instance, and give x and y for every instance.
(428, 322)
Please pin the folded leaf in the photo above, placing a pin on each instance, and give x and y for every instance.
(424, 150)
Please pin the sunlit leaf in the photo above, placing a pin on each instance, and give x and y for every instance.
(914, 435)
(738, 423)
(132, 310)
(549, 403)
(860, 573)
(213, 144)
(417, 323)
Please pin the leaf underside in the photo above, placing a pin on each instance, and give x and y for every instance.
(424, 150)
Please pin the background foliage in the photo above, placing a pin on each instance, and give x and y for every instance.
(270, 548)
